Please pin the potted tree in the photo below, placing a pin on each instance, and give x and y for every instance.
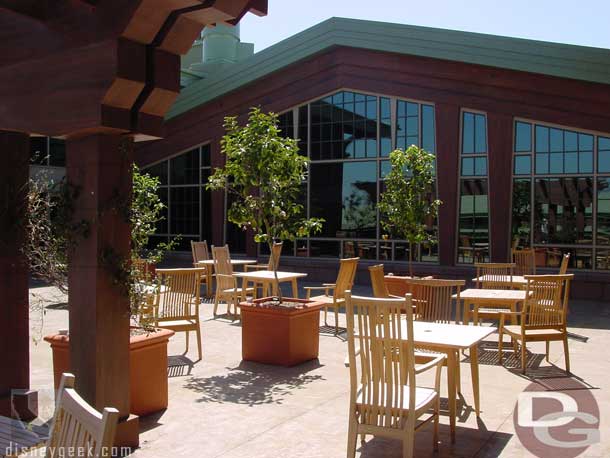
(264, 172)
(407, 204)
(52, 232)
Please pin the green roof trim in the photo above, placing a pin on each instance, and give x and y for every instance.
(554, 59)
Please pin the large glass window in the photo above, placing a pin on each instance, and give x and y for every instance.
(47, 151)
(473, 224)
(182, 189)
(348, 137)
(558, 172)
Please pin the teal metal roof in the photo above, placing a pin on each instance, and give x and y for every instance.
(566, 61)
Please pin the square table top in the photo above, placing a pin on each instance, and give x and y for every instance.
(448, 335)
(493, 295)
(268, 275)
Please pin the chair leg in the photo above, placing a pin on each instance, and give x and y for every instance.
(523, 356)
(187, 342)
(216, 298)
(352, 435)
(336, 321)
(458, 378)
(198, 334)
(548, 345)
(325, 314)
(408, 443)
(566, 353)
(437, 414)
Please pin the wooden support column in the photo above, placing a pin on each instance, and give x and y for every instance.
(100, 166)
(500, 139)
(447, 170)
(14, 308)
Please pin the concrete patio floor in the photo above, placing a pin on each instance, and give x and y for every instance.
(228, 408)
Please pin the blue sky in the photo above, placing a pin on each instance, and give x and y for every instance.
(584, 22)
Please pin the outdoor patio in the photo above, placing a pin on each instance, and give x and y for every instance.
(228, 408)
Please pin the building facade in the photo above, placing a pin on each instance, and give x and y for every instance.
(520, 130)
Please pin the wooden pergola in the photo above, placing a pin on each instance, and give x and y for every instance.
(101, 74)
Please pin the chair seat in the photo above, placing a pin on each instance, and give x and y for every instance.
(424, 397)
(516, 331)
(173, 324)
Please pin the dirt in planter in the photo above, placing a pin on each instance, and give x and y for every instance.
(276, 304)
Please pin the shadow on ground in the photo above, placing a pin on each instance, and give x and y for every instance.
(254, 384)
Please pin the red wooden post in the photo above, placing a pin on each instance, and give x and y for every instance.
(100, 166)
(14, 309)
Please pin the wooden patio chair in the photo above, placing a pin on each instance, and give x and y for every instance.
(177, 303)
(432, 300)
(200, 252)
(77, 429)
(563, 268)
(384, 397)
(277, 253)
(227, 288)
(543, 318)
(495, 274)
(380, 289)
(525, 261)
(334, 300)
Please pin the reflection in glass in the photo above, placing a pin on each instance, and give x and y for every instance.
(603, 155)
(345, 195)
(523, 165)
(603, 211)
(473, 243)
(521, 211)
(184, 169)
(184, 210)
(563, 211)
(474, 133)
(560, 151)
(324, 249)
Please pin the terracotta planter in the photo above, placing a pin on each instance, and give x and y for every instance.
(398, 286)
(279, 335)
(147, 368)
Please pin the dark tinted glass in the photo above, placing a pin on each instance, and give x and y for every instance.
(162, 223)
(324, 249)
(385, 127)
(206, 209)
(363, 250)
(542, 139)
(184, 169)
(184, 211)
(302, 134)
(563, 211)
(286, 124)
(345, 195)
(603, 211)
(158, 170)
(206, 159)
(467, 166)
(38, 150)
(57, 152)
(523, 137)
(407, 124)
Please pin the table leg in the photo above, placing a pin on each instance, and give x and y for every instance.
(295, 289)
(474, 371)
(475, 314)
(513, 318)
(451, 362)
(466, 313)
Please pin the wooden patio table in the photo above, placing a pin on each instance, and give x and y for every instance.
(518, 281)
(209, 263)
(266, 278)
(450, 339)
(500, 298)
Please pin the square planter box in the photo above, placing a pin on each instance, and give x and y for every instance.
(281, 336)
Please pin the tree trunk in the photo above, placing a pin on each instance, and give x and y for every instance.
(274, 264)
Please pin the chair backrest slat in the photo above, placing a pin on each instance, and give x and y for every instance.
(433, 298)
(345, 277)
(496, 275)
(178, 292)
(547, 301)
(525, 261)
(222, 267)
(77, 428)
(382, 330)
(199, 251)
(563, 268)
(380, 289)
